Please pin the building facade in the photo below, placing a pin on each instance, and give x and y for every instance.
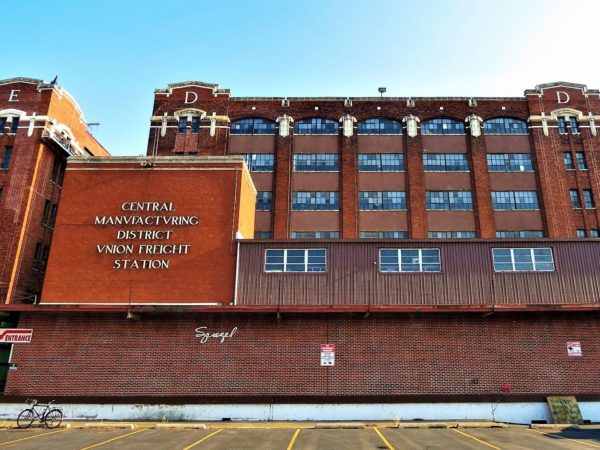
(523, 167)
(419, 258)
(40, 126)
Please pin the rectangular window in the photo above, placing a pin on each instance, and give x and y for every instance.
(37, 256)
(588, 199)
(581, 162)
(52, 218)
(509, 162)
(445, 162)
(451, 234)
(182, 124)
(315, 234)
(594, 233)
(562, 125)
(3, 121)
(520, 234)
(262, 235)
(568, 159)
(514, 200)
(6, 159)
(264, 200)
(46, 213)
(315, 201)
(377, 200)
(523, 260)
(380, 162)
(259, 162)
(295, 260)
(195, 124)
(580, 233)
(449, 200)
(320, 162)
(15, 125)
(574, 125)
(575, 200)
(384, 234)
(409, 260)
(58, 171)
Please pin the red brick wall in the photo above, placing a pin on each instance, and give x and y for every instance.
(387, 356)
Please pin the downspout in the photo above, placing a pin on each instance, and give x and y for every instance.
(237, 271)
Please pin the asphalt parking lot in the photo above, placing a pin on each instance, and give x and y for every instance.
(514, 437)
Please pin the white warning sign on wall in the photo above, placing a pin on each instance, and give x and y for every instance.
(327, 354)
(574, 349)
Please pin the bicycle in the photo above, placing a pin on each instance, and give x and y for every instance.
(51, 417)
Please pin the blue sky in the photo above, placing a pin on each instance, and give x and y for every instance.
(111, 55)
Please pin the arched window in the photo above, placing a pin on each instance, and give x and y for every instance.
(253, 125)
(316, 125)
(379, 126)
(442, 126)
(505, 125)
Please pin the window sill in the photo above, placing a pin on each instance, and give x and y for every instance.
(381, 171)
(315, 210)
(382, 210)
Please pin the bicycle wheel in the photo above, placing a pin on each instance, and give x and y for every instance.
(25, 418)
(54, 418)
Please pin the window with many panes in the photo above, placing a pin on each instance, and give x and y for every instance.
(451, 234)
(575, 200)
(15, 125)
(252, 125)
(409, 260)
(505, 125)
(40, 257)
(382, 200)
(449, 200)
(514, 200)
(519, 234)
(264, 200)
(581, 162)
(523, 259)
(442, 126)
(445, 162)
(316, 126)
(380, 162)
(568, 160)
(379, 126)
(384, 234)
(58, 171)
(295, 260)
(259, 162)
(196, 124)
(567, 123)
(594, 233)
(319, 162)
(580, 233)
(509, 162)
(262, 235)
(315, 234)
(315, 201)
(588, 199)
(182, 124)
(6, 157)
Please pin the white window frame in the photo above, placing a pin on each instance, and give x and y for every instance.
(420, 250)
(285, 263)
(512, 259)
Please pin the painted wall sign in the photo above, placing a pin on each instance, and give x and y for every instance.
(15, 335)
(327, 354)
(205, 335)
(574, 349)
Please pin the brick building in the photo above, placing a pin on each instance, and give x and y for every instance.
(400, 167)
(40, 126)
(419, 258)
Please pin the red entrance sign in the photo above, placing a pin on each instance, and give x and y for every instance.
(15, 336)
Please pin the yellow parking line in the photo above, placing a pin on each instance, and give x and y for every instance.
(203, 439)
(385, 441)
(475, 439)
(293, 441)
(562, 437)
(114, 439)
(32, 437)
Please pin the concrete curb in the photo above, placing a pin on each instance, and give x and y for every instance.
(554, 426)
(197, 426)
(126, 425)
(339, 425)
